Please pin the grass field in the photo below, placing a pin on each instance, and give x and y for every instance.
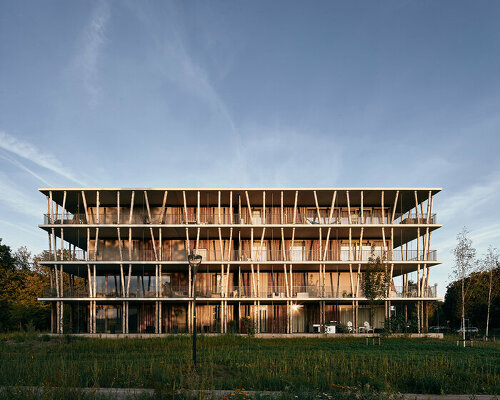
(229, 362)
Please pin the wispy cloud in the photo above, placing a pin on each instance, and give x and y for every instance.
(93, 40)
(17, 200)
(30, 152)
(23, 228)
(183, 70)
(176, 62)
(472, 199)
(486, 236)
(15, 162)
(481, 237)
(268, 156)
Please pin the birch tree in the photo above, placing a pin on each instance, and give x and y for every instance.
(465, 265)
(490, 263)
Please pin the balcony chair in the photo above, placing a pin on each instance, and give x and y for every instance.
(330, 328)
(366, 328)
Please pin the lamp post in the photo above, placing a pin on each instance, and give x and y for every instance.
(194, 263)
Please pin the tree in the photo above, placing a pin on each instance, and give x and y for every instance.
(465, 265)
(22, 280)
(476, 305)
(6, 259)
(22, 259)
(489, 263)
(376, 281)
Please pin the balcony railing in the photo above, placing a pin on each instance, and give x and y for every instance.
(412, 219)
(269, 292)
(412, 291)
(172, 291)
(309, 218)
(293, 256)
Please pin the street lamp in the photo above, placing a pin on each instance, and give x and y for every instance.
(194, 263)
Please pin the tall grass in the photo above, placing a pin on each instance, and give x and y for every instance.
(228, 362)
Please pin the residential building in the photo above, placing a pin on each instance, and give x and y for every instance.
(288, 260)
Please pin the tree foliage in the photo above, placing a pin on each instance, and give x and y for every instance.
(465, 265)
(476, 306)
(473, 293)
(488, 264)
(22, 280)
(376, 281)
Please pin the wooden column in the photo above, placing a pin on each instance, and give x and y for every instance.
(392, 236)
(222, 286)
(263, 215)
(239, 209)
(254, 287)
(358, 275)
(317, 206)
(190, 285)
(61, 304)
(429, 243)
(84, 199)
(94, 323)
(163, 207)
(350, 254)
(249, 207)
(129, 277)
(426, 245)
(259, 259)
(91, 295)
(348, 208)
(293, 237)
(63, 209)
(153, 241)
(282, 211)
(231, 207)
(160, 254)
(384, 253)
(283, 255)
(323, 294)
(185, 207)
(394, 207)
(58, 310)
(48, 215)
(418, 265)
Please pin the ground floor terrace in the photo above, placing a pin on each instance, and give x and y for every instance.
(266, 317)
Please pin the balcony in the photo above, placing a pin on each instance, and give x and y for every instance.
(239, 292)
(293, 256)
(82, 292)
(412, 291)
(413, 219)
(307, 218)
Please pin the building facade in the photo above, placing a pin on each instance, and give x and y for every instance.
(280, 260)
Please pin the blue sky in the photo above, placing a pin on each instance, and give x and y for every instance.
(354, 93)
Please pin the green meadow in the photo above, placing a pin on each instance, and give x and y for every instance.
(230, 362)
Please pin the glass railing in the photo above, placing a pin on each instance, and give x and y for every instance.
(412, 291)
(269, 292)
(309, 218)
(172, 291)
(235, 292)
(292, 256)
(68, 292)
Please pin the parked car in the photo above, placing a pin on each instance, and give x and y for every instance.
(437, 329)
(470, 329)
